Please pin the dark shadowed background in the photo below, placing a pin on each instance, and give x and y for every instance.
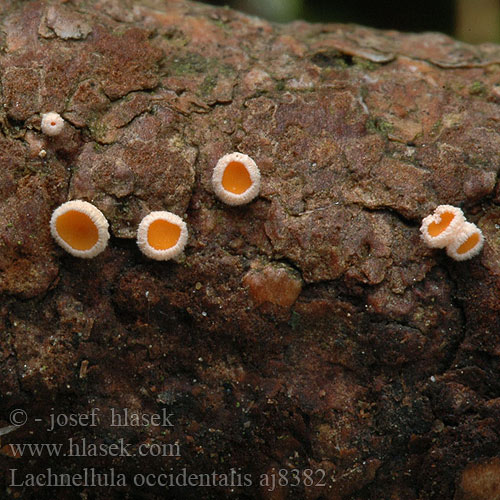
(473, 21)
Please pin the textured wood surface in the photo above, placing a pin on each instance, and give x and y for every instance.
(309, 330)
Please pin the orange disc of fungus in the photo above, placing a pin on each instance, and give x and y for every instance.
(236, 179)
(467, 243)
(52, 123)
(440, 228)
(162, 235)
(80, 228)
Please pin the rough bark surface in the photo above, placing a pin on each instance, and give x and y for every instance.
(311, 329)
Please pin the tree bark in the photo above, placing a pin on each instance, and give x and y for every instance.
(310, 330)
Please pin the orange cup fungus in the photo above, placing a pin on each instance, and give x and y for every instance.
(439, 228)
(467, 243)
(162, 235)
(236, 179)
(52, 123)
(447, 227)
(80, 228)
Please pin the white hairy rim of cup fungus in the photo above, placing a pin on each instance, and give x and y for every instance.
(52, 123)
(467, 243)
(439, 228)
(80, 228)
(162, 235)
(236, 179)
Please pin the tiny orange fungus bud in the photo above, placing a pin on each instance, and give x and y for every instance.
(236, 179)
(52, 123)
(80, 228)
(162, 235)
(467, 243)
(439, 228)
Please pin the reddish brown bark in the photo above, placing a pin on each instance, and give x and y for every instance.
(309, 330)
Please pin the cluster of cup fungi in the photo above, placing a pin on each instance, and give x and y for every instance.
(447, 228)
(82, 230)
